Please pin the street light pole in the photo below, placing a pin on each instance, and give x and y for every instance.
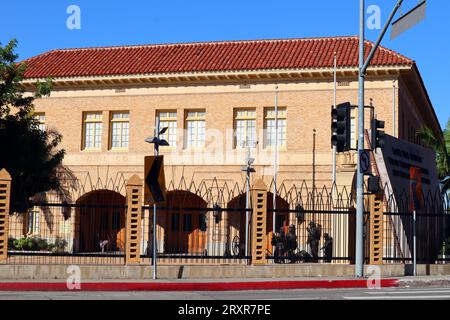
(247, 201)
(334, 106)
(249, 170)
(275, 167)
(363, 65)
(359, 254)
(155, 256)
(157, 143)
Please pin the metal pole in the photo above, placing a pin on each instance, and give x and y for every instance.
(359, 254)
(334, 105)
(394, 128)
(275, 162)
(359, 259)
(381, 36)
(314, 171)
(154, 258)
(154, 242)
(247, 200)
(414, 243)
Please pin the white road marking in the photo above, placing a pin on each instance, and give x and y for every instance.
(397, 298)
(300, 298)
(409, 292)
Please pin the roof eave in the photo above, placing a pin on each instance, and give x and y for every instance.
(222, 76)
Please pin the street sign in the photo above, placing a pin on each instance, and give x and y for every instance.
(408, 20)
(364, 160)
(155, 183)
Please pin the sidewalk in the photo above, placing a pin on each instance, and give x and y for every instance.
(424, 281)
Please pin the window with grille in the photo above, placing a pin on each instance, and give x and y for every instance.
(196, 130)
(245, 128)
(271, 126)
(120, 130)
(168, 119)
(93, 126)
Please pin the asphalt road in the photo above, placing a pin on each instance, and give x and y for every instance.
(428, 293)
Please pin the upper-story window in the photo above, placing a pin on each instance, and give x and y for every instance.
(245, 126)
(120, 130)
(40, 117)
(168, 119)
(92, 123)
(196, 129)
(271, 125)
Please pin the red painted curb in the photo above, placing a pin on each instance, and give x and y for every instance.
(195, 286)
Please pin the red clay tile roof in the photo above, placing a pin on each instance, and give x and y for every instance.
(206, 57)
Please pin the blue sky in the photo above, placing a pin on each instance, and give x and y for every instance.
(41, 26)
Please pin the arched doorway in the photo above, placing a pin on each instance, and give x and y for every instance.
(281, 218)
(100, 225)
(185, 223)
(236, 225)
(236, 222)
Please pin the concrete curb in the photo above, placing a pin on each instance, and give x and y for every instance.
(192, 273)
(195, 286)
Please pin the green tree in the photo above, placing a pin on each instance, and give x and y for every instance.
(29, 154)
(442, 148)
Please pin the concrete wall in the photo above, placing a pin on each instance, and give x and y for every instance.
(49, 272)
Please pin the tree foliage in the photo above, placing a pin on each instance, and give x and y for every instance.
(442, 148)
(30, 155)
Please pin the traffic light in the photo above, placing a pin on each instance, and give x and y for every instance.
(377, 136)
(341, 127)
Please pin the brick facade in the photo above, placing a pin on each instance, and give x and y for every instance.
(308, 107)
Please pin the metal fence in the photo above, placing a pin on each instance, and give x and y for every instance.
(206, 224)
(195, 235)
(432, 227)
(68, 234)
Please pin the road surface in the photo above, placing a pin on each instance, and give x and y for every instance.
(424, 293)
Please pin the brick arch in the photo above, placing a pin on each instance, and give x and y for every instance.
(236, 219)
(236, 225)
(281, 218)
(184, 223)
(100, 216)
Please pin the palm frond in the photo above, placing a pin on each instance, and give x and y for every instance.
(426, 135)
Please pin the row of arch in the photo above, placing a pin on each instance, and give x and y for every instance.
(185, 223)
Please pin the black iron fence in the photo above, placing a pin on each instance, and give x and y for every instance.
(307, 236)
(210, 224)
(62, 233)
(432, 227)
(432, 232)
(195, 234)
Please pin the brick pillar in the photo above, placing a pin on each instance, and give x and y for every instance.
(376, 229)
(133, 220)
(258, 223)
(5, 192)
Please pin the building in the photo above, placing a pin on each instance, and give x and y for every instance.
(216, 99)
